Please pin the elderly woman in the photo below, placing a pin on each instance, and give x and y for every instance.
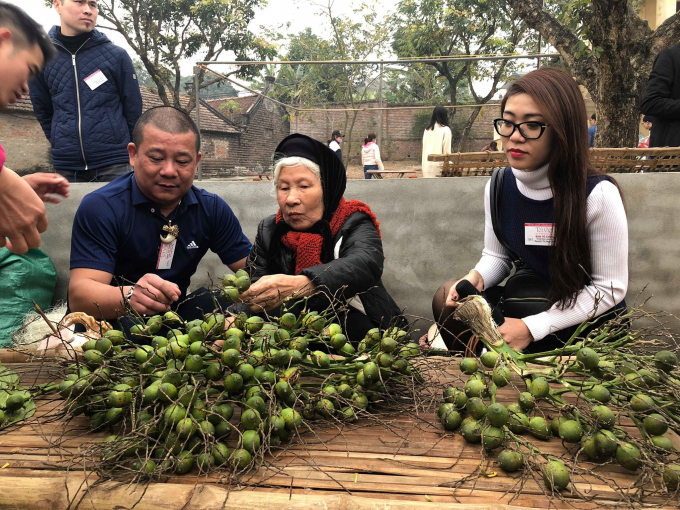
(318, 243)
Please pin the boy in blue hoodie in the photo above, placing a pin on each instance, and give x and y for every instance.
(87, 99)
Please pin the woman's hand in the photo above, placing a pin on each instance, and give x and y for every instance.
(270, 291)
(474, 278)
(516, 333)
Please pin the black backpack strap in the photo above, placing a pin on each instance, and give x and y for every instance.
(495, 190)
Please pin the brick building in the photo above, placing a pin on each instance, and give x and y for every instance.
(402, 129)
(260, 125)
(232, 144)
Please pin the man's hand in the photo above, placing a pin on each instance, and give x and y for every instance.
(153, 295)
(22, 214)
(516, 333)
(47, 186)
(272, 290)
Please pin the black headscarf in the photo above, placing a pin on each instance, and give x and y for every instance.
(333, 183)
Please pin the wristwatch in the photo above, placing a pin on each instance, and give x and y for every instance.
(128, 296)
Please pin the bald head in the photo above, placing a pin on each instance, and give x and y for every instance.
(167, 119)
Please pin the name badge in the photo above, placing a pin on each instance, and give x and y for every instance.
(539, 234)
(95, 79)
(166, 254)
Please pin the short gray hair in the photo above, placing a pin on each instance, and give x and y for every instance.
(294, 161)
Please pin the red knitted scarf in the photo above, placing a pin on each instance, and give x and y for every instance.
(307, 247)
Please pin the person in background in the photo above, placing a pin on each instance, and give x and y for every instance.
(334, 143)
(87, 100)
(592, 130)
(647, 122)
(492, 147)
(24, 48)
(370, 156)
(436, 140)
(662, 98)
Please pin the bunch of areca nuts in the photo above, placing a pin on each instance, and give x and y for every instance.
(220, 392)
(600, 397)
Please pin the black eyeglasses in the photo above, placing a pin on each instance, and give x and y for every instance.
(531, 130)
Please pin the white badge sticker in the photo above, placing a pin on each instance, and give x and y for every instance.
(95, 79)
(166, 254)
(538, 234)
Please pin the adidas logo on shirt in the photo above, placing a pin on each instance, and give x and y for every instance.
(192, 246)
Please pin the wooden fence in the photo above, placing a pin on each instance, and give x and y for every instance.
(464, 164)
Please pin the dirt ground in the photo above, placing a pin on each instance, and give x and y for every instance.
(356, 171)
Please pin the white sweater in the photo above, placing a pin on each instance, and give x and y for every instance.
(608, 234)
(435, 141)
(370, 155)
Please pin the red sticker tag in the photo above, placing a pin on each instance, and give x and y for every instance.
(539, 234)
(166, 254)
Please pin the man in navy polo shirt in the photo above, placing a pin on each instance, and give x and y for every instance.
(143, 235)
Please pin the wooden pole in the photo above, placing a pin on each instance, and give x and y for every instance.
(380, 105)
(198, 114)
(471, 58)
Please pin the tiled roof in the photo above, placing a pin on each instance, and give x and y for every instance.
(209, 121)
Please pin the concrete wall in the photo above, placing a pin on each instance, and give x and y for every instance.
(433, 230)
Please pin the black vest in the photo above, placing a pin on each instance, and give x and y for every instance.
(517, 210)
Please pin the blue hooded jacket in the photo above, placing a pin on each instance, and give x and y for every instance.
(87, 128)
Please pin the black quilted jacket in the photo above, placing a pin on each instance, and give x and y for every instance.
(87, 128)
(357, 270)
(662, 99)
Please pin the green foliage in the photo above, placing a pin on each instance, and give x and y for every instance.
(577, 16)
(230, 106)
(162, 32)
(447, 28)
(420, 83)
(358, 37)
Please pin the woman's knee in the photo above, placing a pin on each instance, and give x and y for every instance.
(439, 308)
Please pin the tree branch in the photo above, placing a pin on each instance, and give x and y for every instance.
(666, 34)
(560, 37)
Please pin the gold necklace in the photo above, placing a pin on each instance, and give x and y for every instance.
(172, 231)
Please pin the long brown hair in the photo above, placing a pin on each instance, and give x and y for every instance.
(561, 103)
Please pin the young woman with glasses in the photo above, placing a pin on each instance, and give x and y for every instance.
(549, 187)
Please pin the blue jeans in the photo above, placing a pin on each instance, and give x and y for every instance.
(367, 168)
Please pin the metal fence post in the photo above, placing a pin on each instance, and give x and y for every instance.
(198, 115)
(380, 105)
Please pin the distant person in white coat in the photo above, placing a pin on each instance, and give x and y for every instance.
(370, 156)
(436, 140)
